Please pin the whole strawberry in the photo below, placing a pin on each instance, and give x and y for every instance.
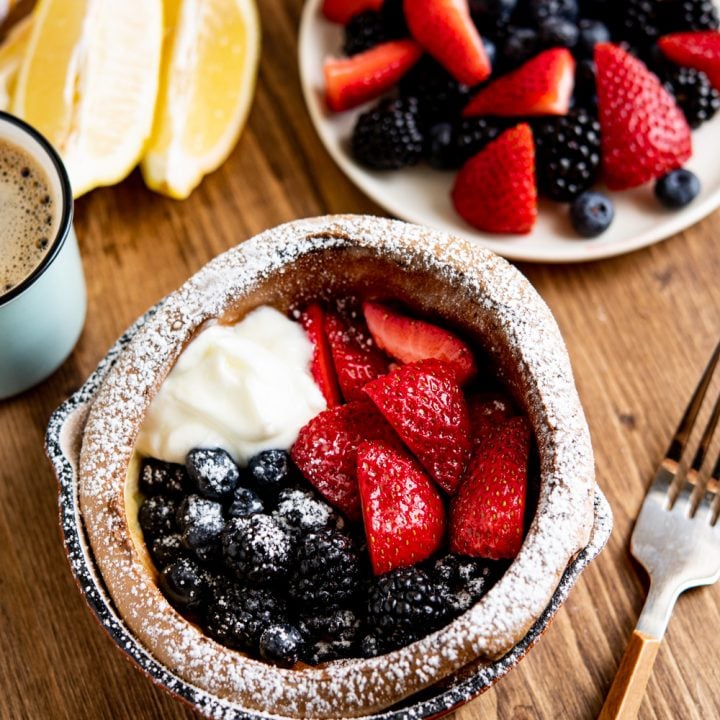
(402, 509)
(487, 412)
(487, 515)
(326, 451)
(495, 190)
(425, 406)
(644, 134)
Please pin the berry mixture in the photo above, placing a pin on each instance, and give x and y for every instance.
(393, 512)
(529, 98)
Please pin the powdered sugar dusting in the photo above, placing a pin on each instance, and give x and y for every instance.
(521, 331)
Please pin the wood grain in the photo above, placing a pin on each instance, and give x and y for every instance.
(639, 330)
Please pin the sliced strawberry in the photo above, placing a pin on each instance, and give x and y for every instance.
(487, 516)
(446, 30)
(408, 340)
(402, 509)
(357, 361)
(326, 451)
(355, 80)
(425, 406)
(322, 368)
(340, 11)
(542, 86)
(699, 50)
(644, 134)
(495, 190)
(487, 412)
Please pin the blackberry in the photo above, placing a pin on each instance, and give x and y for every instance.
(388, 137)
(439, 95)
(491, 10)
(688, 15)
(568, 152)
(299, 511)
(281, 644)
(591, 32)
(157, 516)
(322, 652)
(184, 584)
(677, 189)
(370, 646)
(327, 570)
(270, 471)
(694, 93)
(257, 549)
(639, 23)
(237, 616)
(440, 146)
(404, 606)
(167, 549)
(472, 135)
(364, 31)
(341, 624)
(520, 44)
(245, 502)
(213, 472)
(463, 581)
(544, 9)
(585, 95)
(162, 478)
(200, 521)
(393, 17)
(558, 32)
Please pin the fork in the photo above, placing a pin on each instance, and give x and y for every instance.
(677, 540)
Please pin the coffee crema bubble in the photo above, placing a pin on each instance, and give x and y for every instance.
(28, 213)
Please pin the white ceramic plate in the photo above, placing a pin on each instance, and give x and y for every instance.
(422, 195)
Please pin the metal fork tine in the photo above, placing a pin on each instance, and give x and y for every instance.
(679, 441)
(706, 439)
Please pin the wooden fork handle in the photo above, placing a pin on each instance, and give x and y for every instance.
(628, 688)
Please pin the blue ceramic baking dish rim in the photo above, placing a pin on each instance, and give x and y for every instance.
(442, 698)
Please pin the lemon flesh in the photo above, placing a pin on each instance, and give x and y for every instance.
(89, 81)
(208, 75)
(11, 56)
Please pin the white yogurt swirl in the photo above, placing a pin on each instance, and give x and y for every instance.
(244, 388)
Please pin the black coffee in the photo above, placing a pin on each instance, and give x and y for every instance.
(27, 213)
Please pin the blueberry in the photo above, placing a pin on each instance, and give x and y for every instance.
(157, 516)
(520, 45)
(213, 472)
(184, 584)
(270, 471)
(490, 51)
(493, 9)
(441, 146)
(677, 189)
(200, 521)
(544, 9)
(592, 32)
(245, 503)
(281, 644)
(591, 214)
(585, 88)
(167, 549)
(558, 32)
(162, 478)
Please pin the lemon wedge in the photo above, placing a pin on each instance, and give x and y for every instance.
(11, 55)
(207, 83)
(89, 81)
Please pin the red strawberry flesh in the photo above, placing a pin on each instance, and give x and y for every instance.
(487, 412)
(322, 368)
(408, 340)
(325, 451)
(487, 515)
(542, 86)
(353, 81)
(495, 190)
(446, 30)
(699, 50)
(357, 361)
(644, 134)
(425, 406)
(402, 509)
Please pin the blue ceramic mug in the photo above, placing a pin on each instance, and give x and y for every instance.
(41, 317)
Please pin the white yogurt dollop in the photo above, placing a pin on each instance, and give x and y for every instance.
(244, 388)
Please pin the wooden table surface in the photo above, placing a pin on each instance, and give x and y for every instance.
(639, 330)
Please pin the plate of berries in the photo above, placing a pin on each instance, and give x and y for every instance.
(546, 130)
